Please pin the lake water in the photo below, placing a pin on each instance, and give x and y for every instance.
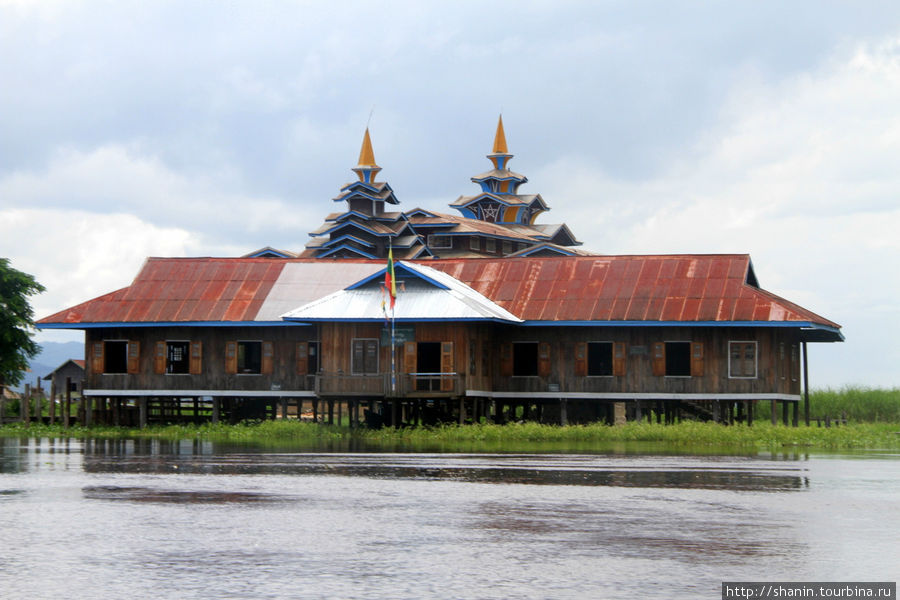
(151, 519)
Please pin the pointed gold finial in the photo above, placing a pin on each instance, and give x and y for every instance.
(500, 139)
(366, 154)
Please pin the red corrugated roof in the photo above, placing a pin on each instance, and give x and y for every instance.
(183, 290)
(677, 288)
(666, 288)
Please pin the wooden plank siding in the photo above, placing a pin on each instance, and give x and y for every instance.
(209, 364)
(480, 352)
(634, 358)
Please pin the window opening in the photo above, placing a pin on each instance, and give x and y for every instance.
(678, 359)
(178, 358)
(600, 359)
(115, 357)
(525, 359)
(249, 358)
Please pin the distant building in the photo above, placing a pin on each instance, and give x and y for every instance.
(72, 371)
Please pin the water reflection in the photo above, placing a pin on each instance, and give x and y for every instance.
(139, 518)
(657, 472)
(147, 494)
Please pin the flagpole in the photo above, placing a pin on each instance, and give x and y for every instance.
(393, 340)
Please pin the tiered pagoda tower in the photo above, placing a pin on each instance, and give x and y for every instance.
(496, 222)
(365, 229)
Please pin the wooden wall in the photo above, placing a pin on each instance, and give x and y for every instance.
(212, 367)
(479, 351)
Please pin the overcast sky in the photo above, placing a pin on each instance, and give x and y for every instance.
(134, 129)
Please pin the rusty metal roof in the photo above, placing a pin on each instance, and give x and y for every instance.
(563, 289)
(666, 288)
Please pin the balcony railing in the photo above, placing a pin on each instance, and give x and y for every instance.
(420, 385)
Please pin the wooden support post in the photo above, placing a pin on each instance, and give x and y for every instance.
(340, 415)
(563, 410)
(315, 409)
(52, 407)
(740, 412)
(395, 413)
(216, 410)
(498, 408)
(25, 404)
(284, 407)
(774, 412)
(749, 413)
(637, 411)
(331, 411)
(795, 421)
(805, 385)
(784, 413)
(88, 411)
(462, 410)
(67, 403)
(142, 412)
(38, 401)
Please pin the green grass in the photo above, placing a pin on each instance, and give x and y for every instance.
(873, 414)
(519, 436)
(861, 404)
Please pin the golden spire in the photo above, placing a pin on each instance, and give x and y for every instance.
(366, 154)
(500, 139)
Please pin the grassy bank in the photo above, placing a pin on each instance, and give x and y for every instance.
(873, 414)
(861, 404)
(513, 436)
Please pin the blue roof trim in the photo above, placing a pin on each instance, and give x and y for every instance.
(347, 247)
(397, 267)
(348, 237)
(789, 324)
(342, 224)
(108, 324)
(540, 247)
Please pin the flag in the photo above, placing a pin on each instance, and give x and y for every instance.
(390, 282)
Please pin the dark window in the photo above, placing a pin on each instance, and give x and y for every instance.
(678, 359)
(490, 245)
(600, 359)
(440, 241)
(249, 358)
(474, 244)
(313, 358)
(115, 357)
(365, 357)
(507, 248)
(178, 358)
(525, 359)
(742, 359)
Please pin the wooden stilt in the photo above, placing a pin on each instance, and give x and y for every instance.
(25, 404)
(637, 411)
(795, 422)
(563, 410)
(749, 413)
(805, 385)
(784, 413)
(774, 415)
(66, 407)
(142, 412)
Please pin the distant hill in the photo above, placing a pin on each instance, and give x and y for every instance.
(51, 356)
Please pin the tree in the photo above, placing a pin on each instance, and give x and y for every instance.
(16, 323)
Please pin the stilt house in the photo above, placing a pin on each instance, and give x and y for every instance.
(496, 316)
